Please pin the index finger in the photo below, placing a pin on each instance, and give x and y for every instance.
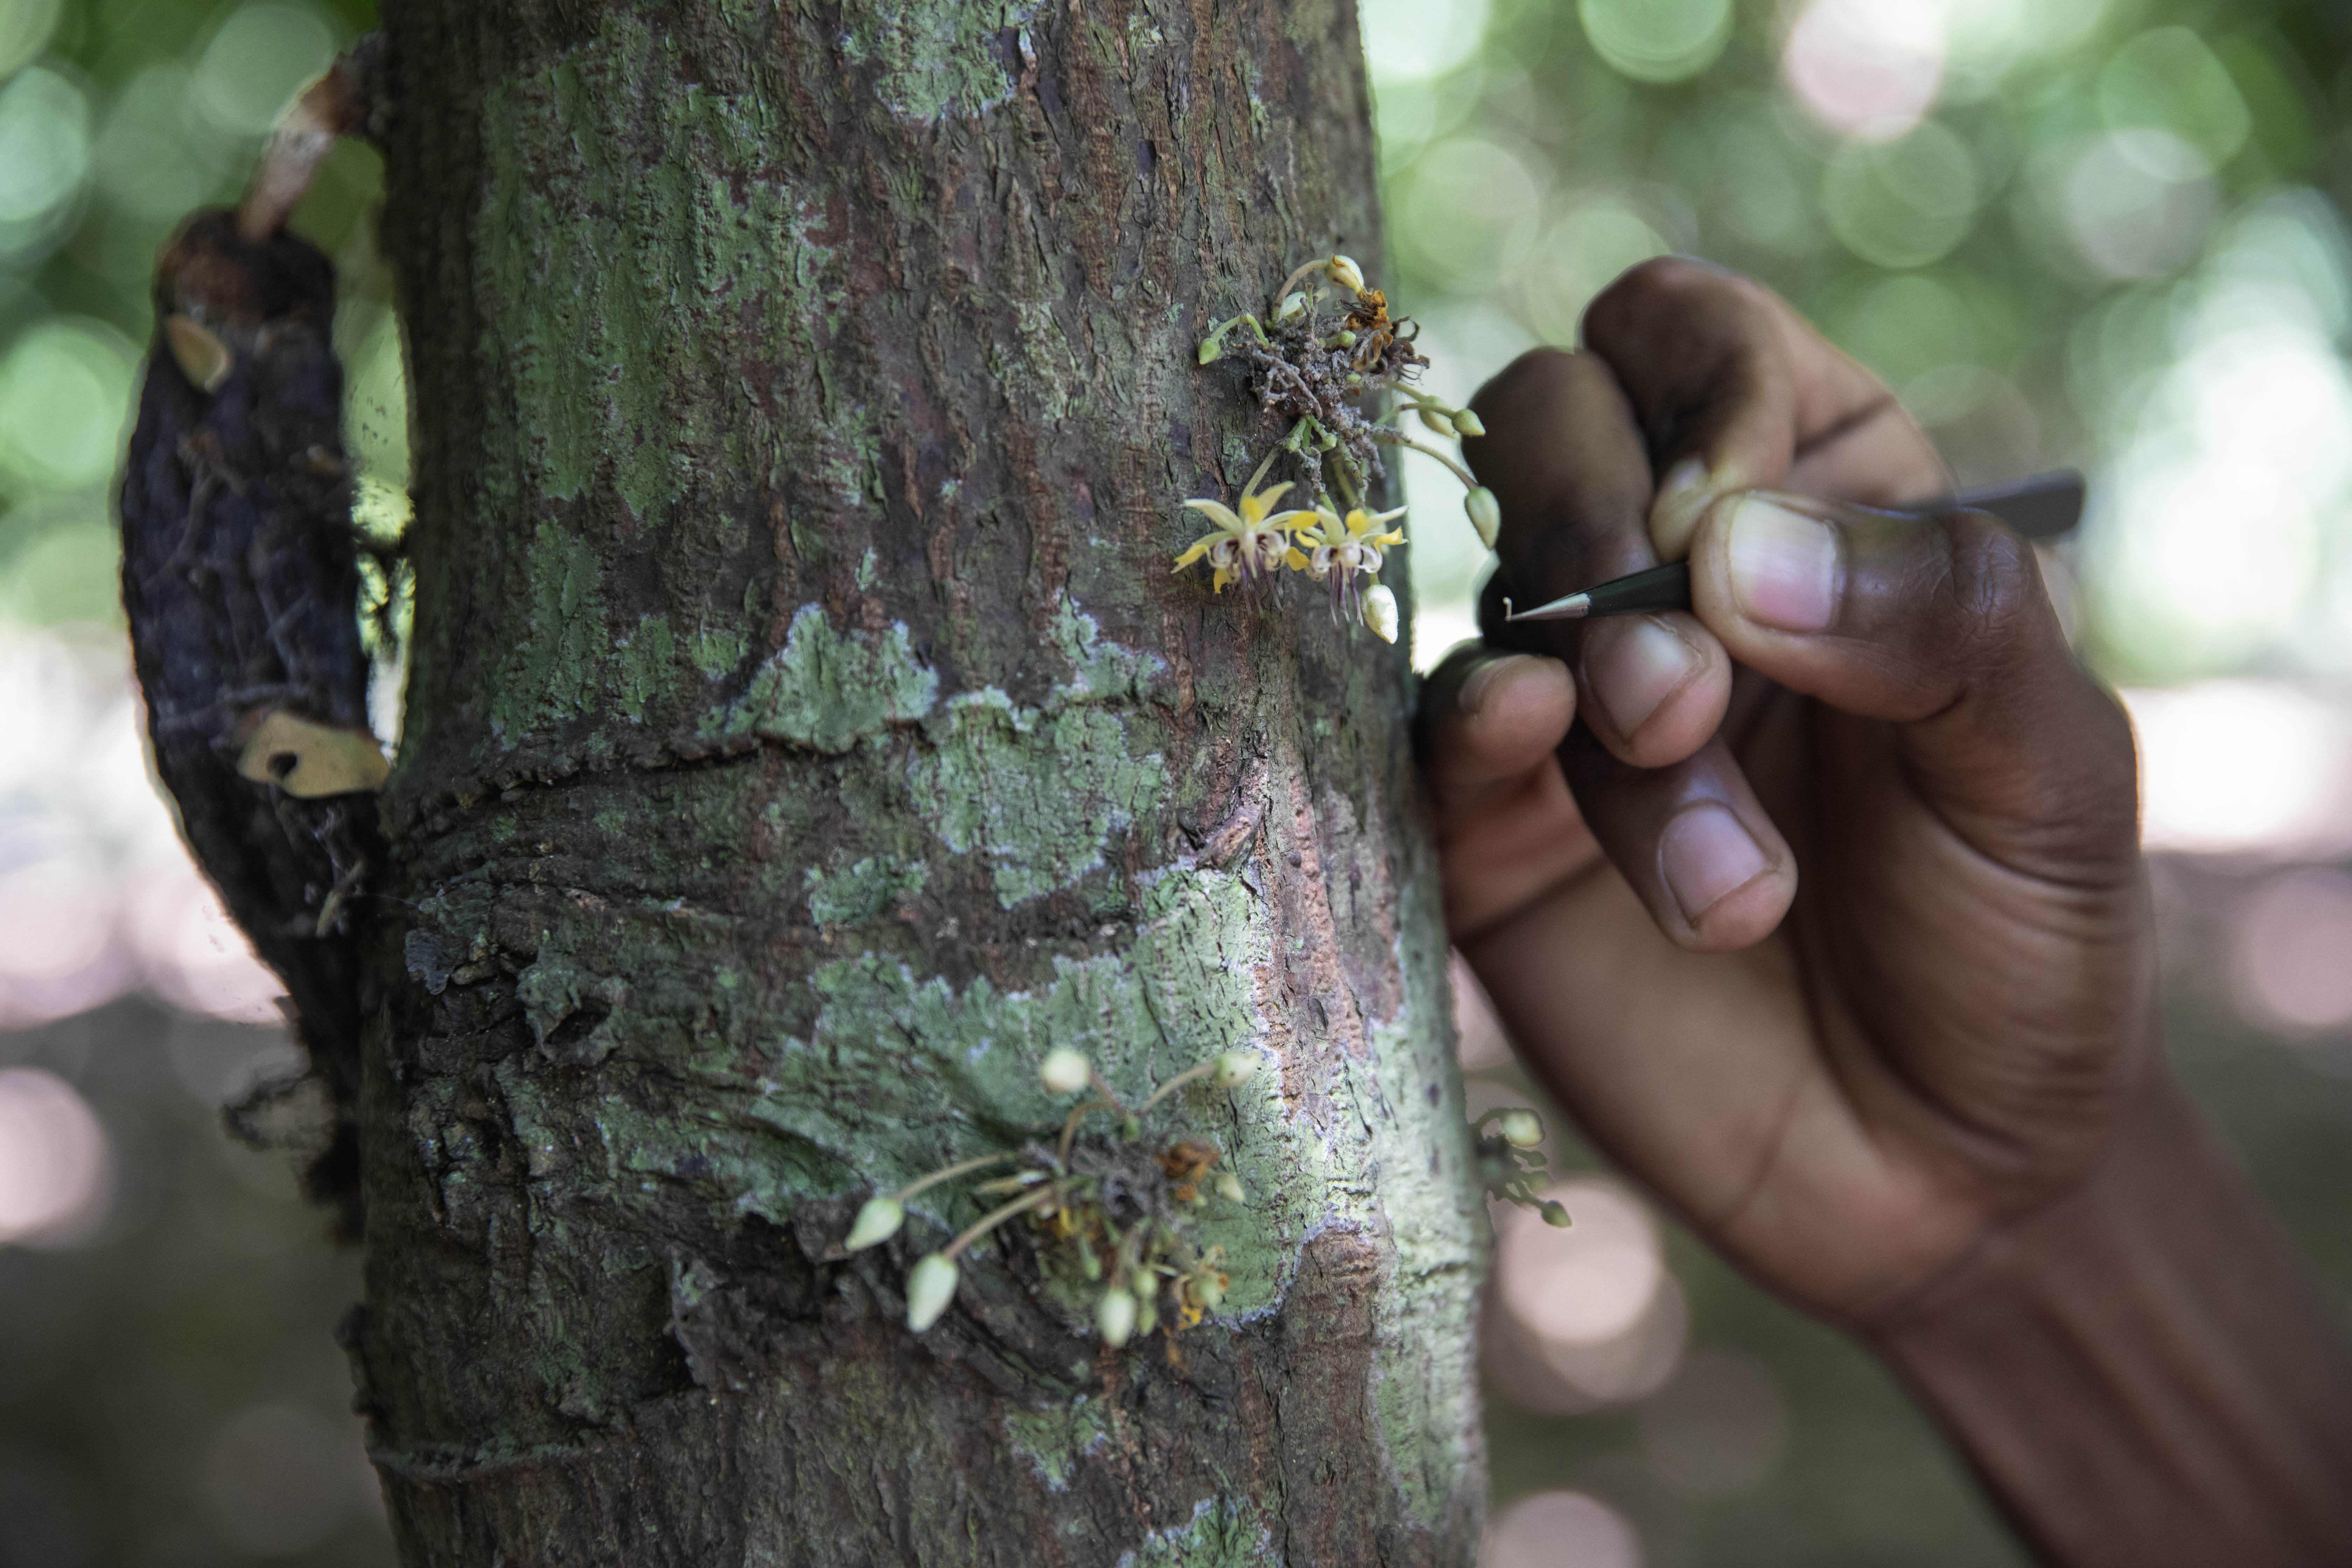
(1737, 392)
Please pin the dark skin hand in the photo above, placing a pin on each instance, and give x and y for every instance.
(1943, 1030)
(1821, 907)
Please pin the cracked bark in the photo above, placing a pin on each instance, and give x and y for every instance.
(805, 732)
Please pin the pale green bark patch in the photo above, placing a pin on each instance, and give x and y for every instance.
(938, 58)
(1039, 794)
(827, 689)
(862, 890)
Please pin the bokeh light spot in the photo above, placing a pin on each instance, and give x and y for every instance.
(1412, 40)
(65, 396)
(55, 1166)
(2293, 961)
(2242, 767)
(156, 157)
(1470, 212)
(1561, 1529)
(1903, 203)
(44, 146)
(1587, 1315)
(261, 56)
(2126, 215)
(1584, 251)
(1869, 68)
(24, 29)
(1657, 40)
(2168, 80)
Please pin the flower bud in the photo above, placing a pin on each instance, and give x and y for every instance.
(1211, 350)
(1234, 1068)
(1115, 1317)
(1089, 1262)
(1293, 306)
(1486, 514)
(1556, 1213)
(1380, 613)
(1522, 1128)
(1436, 419)
(1468, 423)
(1230, 1188)
(1064, 1071)
(1344, 272)
(1147, 1312)
(1207, 1292)
(930, 1289)
(1131, 1128)
(876, 1223)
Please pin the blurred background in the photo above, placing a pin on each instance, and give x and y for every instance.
(2109, 234)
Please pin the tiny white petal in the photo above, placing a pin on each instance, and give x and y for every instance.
(1115, 1317)
(930, 1289)
(876, 1223)
(1486, 514)
(1064, 1071)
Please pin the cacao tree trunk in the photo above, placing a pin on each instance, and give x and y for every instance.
(806, 733)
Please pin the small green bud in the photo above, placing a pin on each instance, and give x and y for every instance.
(1115, 1317)
(1234, 1068)
(1064, 1071)
(1556, 1213)
(1230, 1188)
(1436, 419)
(1089, 1262)
(1522, 1128)
(1326, 439)
(930, 1289)
(876, 1223)
(1468, 423)
(1342, 339)
(1207, 1292)
(1486, 514)
(1147, 1312)
(1131, 1128)
(1211, 350)
(1293, 306)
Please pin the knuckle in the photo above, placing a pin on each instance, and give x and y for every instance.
(1995, 598)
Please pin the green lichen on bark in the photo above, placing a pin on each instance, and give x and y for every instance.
(806, 735)
(826, 690)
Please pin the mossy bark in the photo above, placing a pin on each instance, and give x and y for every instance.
(806, 733)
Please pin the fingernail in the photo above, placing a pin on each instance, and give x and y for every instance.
(1635, 664)
(1784, 565)
(1480, 682)
(1682, 500)
(1706, 854)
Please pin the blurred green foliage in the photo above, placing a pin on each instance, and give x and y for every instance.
(2106, 233)
(117, 118)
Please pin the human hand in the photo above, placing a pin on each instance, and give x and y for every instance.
(1851, 1079)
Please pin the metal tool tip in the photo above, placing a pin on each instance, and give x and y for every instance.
(1574, 608)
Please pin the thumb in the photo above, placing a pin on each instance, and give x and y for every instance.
(1940, 628)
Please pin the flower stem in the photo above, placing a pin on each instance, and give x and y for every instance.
(995, 1217)
(1398, 438)
(951, 1173)
(1178, 1081)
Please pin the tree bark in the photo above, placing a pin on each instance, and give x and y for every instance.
(806, 733)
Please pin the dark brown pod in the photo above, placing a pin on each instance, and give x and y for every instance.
(241, 574)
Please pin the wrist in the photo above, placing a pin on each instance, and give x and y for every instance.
(2141, 1370)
